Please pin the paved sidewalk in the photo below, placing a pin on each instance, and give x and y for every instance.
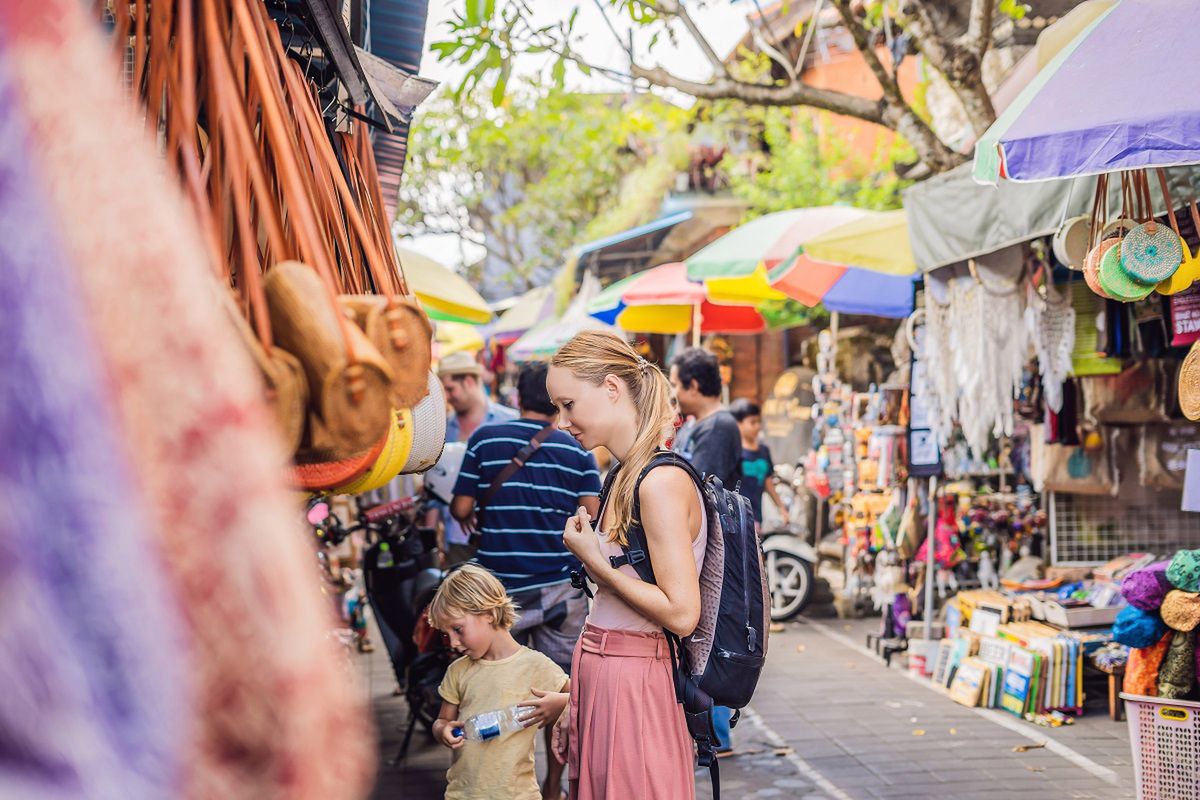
(830, 721)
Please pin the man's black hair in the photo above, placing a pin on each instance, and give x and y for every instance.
(531, 389)
(742, 408)
(699, 365)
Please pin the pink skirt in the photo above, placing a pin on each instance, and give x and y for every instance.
(628, 737)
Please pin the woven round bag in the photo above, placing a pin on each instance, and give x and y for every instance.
(429, 429)
(1189, 384)
(1151, 252)
(1070, 242)
(1091, 266)
(1116, 282)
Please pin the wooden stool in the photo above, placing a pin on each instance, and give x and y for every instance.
(1116, 674)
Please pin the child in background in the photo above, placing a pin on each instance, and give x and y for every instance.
(758, 470)
(494, 673)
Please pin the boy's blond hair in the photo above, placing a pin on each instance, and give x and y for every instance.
(471, 589)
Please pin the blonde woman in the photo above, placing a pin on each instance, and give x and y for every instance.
(627, 734)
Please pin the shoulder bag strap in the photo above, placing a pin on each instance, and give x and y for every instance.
(519, 460)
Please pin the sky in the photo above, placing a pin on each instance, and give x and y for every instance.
(722, 21)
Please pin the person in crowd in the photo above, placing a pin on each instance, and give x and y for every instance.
(624, 733)
(758, 470)
(521, 525)
(494, 673)
(462, 381)
(712, 441)
(710, 438)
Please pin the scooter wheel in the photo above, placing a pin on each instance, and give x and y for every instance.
(790, 583)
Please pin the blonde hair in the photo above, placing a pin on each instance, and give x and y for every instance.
(594, 355)
(471, 589)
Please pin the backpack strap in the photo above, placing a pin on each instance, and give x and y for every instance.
(511, 468)
(636, 552)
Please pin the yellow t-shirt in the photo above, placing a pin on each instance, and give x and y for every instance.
(499, 768)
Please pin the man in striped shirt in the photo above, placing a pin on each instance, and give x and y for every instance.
(522, 526)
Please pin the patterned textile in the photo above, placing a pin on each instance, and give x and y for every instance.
(277, 715)
(1178, 670)
(1181, 610)
(1184, 571)
(1141, 673)
(94, 698)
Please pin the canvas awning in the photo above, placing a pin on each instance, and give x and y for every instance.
(951, 218)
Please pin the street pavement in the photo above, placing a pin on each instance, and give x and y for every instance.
(830, 720)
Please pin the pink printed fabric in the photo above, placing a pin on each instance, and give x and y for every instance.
(628, 737)
(274, 713)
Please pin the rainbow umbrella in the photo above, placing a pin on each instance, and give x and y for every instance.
(766, 242)
(443, 293)
(865, 266)
(451, 337)
(1121, 95)
(663, 300)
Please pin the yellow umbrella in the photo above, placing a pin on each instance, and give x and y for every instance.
(878, 242)
(443, 292)
(452, 337)
(747, 290)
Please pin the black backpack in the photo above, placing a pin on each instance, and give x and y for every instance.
(719, 663)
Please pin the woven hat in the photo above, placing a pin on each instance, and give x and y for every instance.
(1189, 383)
(1181, 610)
(460, 363)
(1184, 570)
(1145, 588)
(1137, 628)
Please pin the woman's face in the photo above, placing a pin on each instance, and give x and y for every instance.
(586, 411)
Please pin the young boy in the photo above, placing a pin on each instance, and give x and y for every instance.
(494, 673)
(758, 471)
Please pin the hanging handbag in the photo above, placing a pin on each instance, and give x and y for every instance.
(1151, 253)
(1189, 269)
(1116, 282)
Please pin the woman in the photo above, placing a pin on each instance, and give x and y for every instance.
(627, 735)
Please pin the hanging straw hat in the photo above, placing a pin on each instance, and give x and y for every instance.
(1189, 384)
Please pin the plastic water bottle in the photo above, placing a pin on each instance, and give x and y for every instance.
(492, 724)
(385, 559)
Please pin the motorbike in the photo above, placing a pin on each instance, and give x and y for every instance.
(789, 556)
(401, 574)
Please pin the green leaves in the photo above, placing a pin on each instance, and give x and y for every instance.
(1014, 9)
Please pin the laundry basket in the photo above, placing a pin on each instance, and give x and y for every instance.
(1165, 736)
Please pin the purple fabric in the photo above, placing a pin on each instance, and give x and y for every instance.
(1125, 98)
(861, 291)
(1146, 588)
(94, 696)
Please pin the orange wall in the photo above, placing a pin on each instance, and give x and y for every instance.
(849, 73)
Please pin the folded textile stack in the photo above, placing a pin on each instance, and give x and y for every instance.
(1160, 625)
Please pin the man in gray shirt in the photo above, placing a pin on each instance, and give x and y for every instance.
(712, 441)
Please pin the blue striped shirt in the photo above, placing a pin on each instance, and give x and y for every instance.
(521, 536)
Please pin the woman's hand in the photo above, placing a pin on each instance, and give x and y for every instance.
(547, 708)
(580, 538)
(560, 739)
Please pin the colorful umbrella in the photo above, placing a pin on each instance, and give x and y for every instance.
(862, 267)
(545, 340)
(767, 241)
(443, 293)
(533, 308)
(1119, 96)
(451, 337)
(663, 300)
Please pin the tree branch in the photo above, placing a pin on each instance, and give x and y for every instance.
(978, 37)
(862, 40)
(673, 8)
(793, 94)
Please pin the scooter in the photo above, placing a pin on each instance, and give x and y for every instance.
(788, 554)
(401, 574)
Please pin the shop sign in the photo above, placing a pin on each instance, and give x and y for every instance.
(1185, 316)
